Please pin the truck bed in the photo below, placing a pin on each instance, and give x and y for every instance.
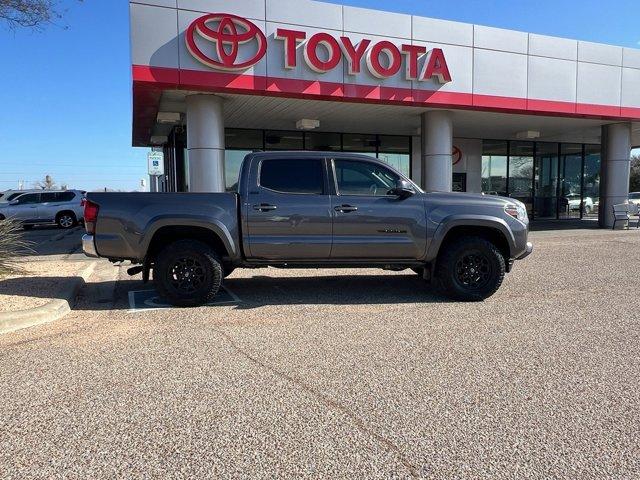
(128, 221)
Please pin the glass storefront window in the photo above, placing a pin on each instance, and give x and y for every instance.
(546, 180)
(283, 140)
(395, 144)
(401, 162)
(570, 201)
(356, 143)
(329, 142)
(520, 184)
(237, 138)
(396, 151)
(494, 167)
(592, 178)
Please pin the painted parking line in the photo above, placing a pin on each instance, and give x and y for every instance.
(147, 300)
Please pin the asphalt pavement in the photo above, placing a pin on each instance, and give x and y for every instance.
(47, 241)
(340, 374)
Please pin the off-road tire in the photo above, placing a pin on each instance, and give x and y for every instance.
(186, 261)
(456, 275)
(66, 220)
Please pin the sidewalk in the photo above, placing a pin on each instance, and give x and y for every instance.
(43, 290)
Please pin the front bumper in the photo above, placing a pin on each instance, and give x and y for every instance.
(527, 252)
(89, 246)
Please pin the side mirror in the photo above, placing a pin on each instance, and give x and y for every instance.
(14, 202)
(403, 189)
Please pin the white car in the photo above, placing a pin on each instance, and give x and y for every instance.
(634, 197)
(574, 203)
(63, 208)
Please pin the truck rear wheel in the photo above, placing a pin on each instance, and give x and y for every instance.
(187, 273)
(470, 269)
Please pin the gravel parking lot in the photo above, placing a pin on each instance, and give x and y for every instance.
(341, 374)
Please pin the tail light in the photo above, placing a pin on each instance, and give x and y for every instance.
(90, 216)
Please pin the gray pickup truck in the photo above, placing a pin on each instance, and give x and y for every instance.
(309, 209)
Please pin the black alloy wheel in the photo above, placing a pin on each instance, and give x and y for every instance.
(473, 271)
(187, 273)
(470, 269)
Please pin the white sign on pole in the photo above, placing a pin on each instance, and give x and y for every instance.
(156, 163)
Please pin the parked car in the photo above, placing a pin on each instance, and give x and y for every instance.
(7, 196)
(45, 207)
(634, 197)
(309, 209)
(573, 201)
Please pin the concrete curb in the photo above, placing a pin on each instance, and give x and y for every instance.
(53, 310)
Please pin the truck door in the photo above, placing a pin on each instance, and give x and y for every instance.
(370, 223)
(289, 210)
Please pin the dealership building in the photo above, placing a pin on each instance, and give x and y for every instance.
(455, 106)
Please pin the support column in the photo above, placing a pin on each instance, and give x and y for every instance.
(472, 150)
(205, 143)
(437, 145)
(614, 170)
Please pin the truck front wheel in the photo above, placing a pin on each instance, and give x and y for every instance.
(470, 269)
(187, 273)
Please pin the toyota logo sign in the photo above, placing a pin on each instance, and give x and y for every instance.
(227, 33)
(456, 155)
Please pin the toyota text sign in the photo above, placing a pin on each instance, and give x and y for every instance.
(228, 42)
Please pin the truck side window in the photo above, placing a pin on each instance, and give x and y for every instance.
(363, 178)
(292, 175)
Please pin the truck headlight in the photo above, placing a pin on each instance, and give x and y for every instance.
(517, 210)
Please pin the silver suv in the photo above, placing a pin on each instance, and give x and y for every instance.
(63, 208)
(7, 196)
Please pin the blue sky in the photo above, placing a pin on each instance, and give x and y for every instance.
(66, 93)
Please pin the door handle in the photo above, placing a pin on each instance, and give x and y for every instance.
(345, 208)
(264, 207)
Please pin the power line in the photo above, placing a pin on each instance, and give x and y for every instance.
(75, 165)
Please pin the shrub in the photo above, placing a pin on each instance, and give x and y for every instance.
(11, 244)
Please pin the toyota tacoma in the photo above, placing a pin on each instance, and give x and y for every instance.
(309, 209)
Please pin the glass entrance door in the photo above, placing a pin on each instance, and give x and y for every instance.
(571, 202)
(546, 180)
(521, 166)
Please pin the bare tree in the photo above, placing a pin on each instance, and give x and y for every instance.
(30, 13)
(47, 184)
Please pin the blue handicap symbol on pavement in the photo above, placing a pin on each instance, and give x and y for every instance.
(150, 300)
